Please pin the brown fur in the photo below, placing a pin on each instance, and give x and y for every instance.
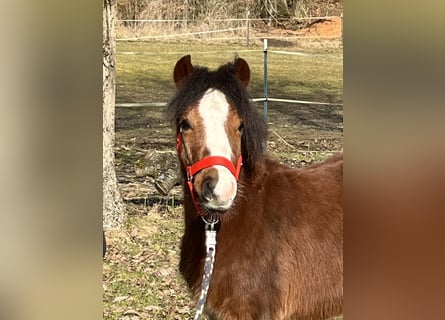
(279, 251)
(279, 254)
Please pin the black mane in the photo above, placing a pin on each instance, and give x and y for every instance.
(198, 82)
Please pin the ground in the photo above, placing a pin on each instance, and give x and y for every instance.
(141, 279)
(326, 28)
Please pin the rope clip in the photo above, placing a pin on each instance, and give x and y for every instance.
(210, 240)
(210, 233)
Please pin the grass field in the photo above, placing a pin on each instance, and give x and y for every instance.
(141, 279)
(145, 70)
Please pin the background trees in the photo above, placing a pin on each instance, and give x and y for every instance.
(197, 9)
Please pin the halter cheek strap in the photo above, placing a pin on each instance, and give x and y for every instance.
(204, 163)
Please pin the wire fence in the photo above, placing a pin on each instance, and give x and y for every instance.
(156, 30)
(265, 99)
(236, 29)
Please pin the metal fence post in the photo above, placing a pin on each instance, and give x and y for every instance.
(248, 28)
(265, 108)
(341, 16)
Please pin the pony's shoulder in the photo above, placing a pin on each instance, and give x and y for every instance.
(330, 167)
(272, 163)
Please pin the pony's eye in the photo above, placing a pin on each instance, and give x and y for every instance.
(184, 125)
(241, 128)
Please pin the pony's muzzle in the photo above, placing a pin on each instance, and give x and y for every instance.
(217, 188)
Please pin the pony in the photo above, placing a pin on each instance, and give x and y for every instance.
(280, 229)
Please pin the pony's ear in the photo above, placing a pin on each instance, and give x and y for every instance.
(242, 71)
(182, 69)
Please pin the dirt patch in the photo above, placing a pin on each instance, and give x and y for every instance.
(325, 28)
(319, 28)
(311, 36)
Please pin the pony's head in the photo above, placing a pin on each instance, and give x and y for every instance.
(216, 128)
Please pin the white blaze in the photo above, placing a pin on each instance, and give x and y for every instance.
(214, 110)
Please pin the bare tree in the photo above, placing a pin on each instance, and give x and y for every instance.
(113, 206)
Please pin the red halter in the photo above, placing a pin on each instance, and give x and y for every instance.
(203, 164)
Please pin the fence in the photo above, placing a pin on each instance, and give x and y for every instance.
(265, 99)
(150, 29)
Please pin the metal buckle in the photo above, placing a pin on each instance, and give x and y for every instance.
(189, 177)
(214, 219)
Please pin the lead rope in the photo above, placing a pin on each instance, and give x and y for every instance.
(210, 234)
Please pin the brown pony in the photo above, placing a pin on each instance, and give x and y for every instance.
(280, 233)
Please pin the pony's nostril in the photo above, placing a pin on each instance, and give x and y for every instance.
(208, 186)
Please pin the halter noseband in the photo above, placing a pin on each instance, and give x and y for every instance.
(203, 164)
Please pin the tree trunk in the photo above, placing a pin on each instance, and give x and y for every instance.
(163, 166)
(113, 206)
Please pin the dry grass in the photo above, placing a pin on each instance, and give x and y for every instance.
(141, 280)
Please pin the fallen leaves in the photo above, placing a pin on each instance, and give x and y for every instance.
(141, 277)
